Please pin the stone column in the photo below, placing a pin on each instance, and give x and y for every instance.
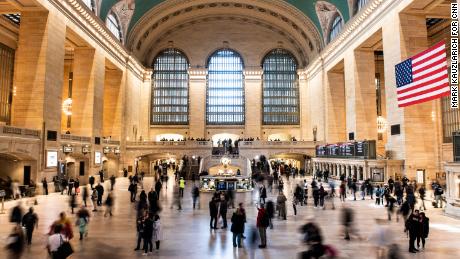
(335, 107)
(113, 103)
(197, 106)
(361, 108)
(39, 69)
(253, 101)
(87, 92)
(145, 106)
(306, 129)
(405, 35)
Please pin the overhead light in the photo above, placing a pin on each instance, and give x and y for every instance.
(67, 106)
(381, 124)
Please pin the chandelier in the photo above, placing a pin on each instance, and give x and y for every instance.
(381, 124)
(67, 106)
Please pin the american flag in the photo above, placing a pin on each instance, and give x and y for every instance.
(423, 77)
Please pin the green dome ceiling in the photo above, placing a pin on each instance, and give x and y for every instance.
(306, 6)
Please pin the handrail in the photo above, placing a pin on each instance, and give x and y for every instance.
(75, 138)
(169, 143)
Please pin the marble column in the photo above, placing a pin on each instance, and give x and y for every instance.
(113, 103)
(335, 107)
(39, 69)
(306, 129)
(197, 106)
(361, 108)
(87, 92)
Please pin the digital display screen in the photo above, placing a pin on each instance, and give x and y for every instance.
(51, 158)
(97, 157)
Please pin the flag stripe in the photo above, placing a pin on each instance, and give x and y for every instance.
(423, 91)
(421, 82)
(430, 70)
(432, 62)
(428, 56)
(432, 73)
(425, 96)
(447, 93)
(424, 87)
(441, 43)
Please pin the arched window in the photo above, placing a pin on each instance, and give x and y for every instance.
(280, 89)
(225, 91)
(170, 88)
(335, 28)
(90, 4)
(360, 4)
(114, 26)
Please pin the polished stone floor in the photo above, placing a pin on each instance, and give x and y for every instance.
(187, 234)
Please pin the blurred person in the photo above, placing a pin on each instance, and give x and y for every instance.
(91, 181)
(55, 241)
(73, 201)
(93, 199)
(16, 213)
(66, 226)
(15, 243)
(213, 211)
(313, 238)
(133, 190)
(181, 187)
(343, 193)
(152, 199)
(322, 194)
(45, 186)
(262, 194)
(424, 230)
(270, 209)
(294, 204)
(158, 186)
(29, 222)
(82, 222)
(251, 241)
(112, 182)
(316, 194)
(262, 225)
(404, 210)
(139, 231)
(347, 222)
(382, 238)
(412, 226)
(100, 193)
(109, 204)
(223, 211)
(238, 220)
(281, 203)
(84, 195)
(438, 191)
(195, 195)
(421, 192)
(148, 233)
(391, 203)
(157, 234)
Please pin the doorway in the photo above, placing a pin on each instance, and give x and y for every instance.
(27, 169)
(82, 168)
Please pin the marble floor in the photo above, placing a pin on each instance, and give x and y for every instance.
(187, 235)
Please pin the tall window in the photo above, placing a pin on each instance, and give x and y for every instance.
(360, 4)
(90, 4)
(335, 28)
(225, 91)
(114, 26)
(280, 89)
(170, 88)
(6, 82)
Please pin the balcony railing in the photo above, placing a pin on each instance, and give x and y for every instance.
(75, 138)
(268, 144)
(19, 132)
(187, 143)
(111, 142)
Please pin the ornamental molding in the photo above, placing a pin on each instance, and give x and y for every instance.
(197, 73)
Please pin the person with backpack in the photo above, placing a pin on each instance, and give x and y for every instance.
(140, 231)
(263, 222)
(424, 230)
(30, 221)
(412, 225)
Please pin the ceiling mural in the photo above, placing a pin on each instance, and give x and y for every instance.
(134, 10)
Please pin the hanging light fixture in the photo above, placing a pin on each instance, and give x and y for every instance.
(381, 124)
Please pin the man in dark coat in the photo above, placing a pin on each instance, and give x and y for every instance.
(100, 193)
(30, 221)
(238, 220)
(158, 186)
(213, 213)
(413, 226)
(223, 212)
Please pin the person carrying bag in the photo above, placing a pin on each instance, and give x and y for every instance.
(59, 247)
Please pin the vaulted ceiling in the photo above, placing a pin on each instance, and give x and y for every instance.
(142, 7)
